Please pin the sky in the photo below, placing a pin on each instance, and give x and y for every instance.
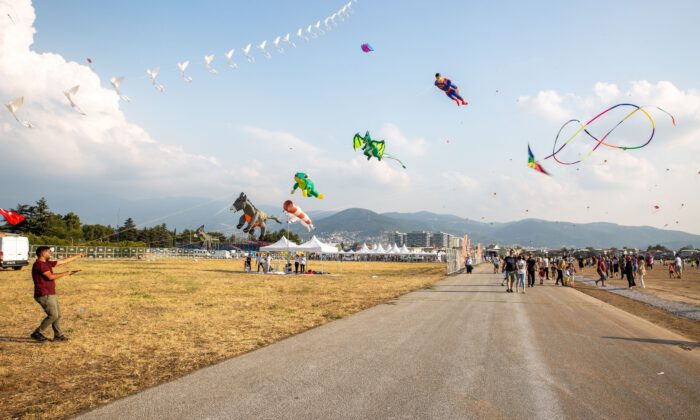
(525, 68)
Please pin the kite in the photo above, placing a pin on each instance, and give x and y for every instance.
(13, 107)
(372, 148)
(70, 94)
(295, 213)
(152, 74)
(262, 49)
(182, 67)
(656, 208)
(318, 28)
(326, 25)
(277, 45)
(89, 61)
(366, 48)
(229, 59)
(300, 35)
(452, 91)
(531, 162)
(252, 216)
(311, 32)
(116, 81)
(583, 128)
(246, 52)
(207, 63)
(288, 40)
(305, 185)
(11, 217)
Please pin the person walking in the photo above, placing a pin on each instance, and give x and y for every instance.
(531, 267)
(45, 292)
(296, 264)
(641, 271)
(258, 260)
(509, 270)
(615, 267)
(602, 270)
(521, 267)
(679, 266)
(545, 263)
(495, 262)
(469, 265)
(561, 266)
(628, 272)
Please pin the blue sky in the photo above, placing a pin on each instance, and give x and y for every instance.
(501, 54)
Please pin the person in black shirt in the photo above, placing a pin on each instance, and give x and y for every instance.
(509, 269)
(531, 267)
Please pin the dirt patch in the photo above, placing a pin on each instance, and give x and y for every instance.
(682, 326)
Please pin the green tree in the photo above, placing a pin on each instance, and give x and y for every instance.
(127, 232)
(277, 235)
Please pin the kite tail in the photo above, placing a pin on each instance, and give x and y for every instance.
(393, 158)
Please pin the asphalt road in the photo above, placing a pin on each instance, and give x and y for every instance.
(462, 349)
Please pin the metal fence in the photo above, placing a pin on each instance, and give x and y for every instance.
(98, 252)
(454, 261)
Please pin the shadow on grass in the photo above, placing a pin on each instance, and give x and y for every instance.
(691, 344)
(25, 340)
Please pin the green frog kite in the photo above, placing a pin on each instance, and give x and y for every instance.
(305, 185)
(372, 148)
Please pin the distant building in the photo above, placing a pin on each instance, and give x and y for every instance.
(440, 240)
(456, 241)
(418, 239)
(397, 238)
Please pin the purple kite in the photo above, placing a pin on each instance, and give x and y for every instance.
(367, 48)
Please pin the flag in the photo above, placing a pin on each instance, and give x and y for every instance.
(12, 217)
(531, 162)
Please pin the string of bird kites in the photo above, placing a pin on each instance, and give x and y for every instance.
(372, 148)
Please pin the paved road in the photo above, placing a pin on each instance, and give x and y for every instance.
(463, 349)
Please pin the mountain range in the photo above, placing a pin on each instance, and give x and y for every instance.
(358, 224)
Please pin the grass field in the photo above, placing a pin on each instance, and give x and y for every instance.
(134, 324)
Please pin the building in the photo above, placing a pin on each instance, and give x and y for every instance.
(418, 239)
(397, 238)
(440, 240)
(456, 241)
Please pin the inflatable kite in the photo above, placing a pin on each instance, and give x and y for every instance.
(152, 75)
(452, 91)
(372, 148)
(13, 107)
(532, 163)
(183, 67)
(115, 82)
(11, 217)
(229, 58)
(251, 215)
(208, 59)
(305, 185)
(295, 213)
(367, 48)
(602, 141)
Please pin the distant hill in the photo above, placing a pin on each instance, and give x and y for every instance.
(362, 224)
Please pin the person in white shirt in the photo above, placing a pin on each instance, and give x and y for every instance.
(520, 274)
(546, 267)
(268, 263)
(302, 263)
(258, 260)
(679, 266)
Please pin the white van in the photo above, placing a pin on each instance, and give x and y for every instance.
(14, 251)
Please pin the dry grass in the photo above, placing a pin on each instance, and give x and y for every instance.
(134, 324)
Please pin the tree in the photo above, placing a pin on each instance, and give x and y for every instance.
(127, 232)
(277, 235)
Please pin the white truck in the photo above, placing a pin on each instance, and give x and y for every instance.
(14, 251)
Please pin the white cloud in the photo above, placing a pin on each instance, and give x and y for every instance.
(397, 141)
(548, 103)
(282, 140)
(461, 179)
(606, 92)
(101, 148)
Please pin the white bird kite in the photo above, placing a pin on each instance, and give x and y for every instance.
(318, 28)
(277, 45)
(70, 95)
(207, 63)
(246, 52)
(288, 40)
(300, 35)
(327, 25)
(116, 81)
(229, 59)
(152, 75)
(262, 49)
(183, 67)
(310, 32)
(13, 107)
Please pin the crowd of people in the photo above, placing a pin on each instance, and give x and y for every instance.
(264, 263)
(522, 271)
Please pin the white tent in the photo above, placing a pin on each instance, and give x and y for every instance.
(364, 249)
(395, 250)
(404, 250)
(283, 244)
(314, 245)
(380, 249)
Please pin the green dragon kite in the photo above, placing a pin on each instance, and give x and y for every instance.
(372, 148)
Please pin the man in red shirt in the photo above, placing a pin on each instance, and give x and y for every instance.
(45, 291)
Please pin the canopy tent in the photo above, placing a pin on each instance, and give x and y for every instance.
(314, 245)
(283, 244)
(404, 250)
(363, 250)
